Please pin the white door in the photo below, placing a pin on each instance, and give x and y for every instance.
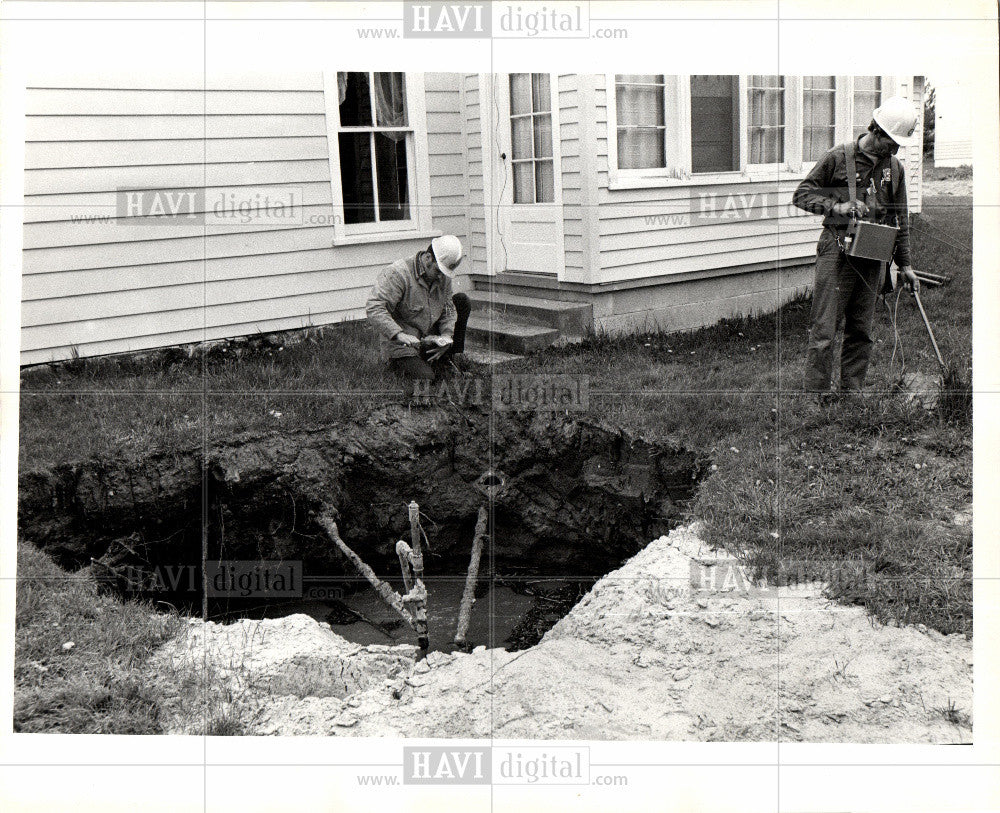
(530, 217)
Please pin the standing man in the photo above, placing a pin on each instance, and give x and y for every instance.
(422, 325)
(847, 287)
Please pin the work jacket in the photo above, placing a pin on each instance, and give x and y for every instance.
(403, 301)
(826, 185)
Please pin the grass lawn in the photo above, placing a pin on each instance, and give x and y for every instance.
(873, 497)
(80, 657)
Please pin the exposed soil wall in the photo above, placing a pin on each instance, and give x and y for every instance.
(578, 495)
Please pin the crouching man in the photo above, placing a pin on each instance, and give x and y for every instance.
(420, 322)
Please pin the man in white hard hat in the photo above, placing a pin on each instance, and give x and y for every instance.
(847, 288)
(412, 308)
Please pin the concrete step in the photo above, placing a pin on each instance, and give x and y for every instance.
(515, 279)
(546, 287)
(486, 357)
(572, 318)
(509, 336)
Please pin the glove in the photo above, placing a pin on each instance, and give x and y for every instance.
(440, 346)
(406, 338)
(845, 207)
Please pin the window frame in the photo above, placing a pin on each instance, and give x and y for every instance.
(788, 92)
(419, 224)
(884, 83)
(686, 145)
(802, 123)
(553, 136)
(613, 96)
(842, 94)
(677, 116)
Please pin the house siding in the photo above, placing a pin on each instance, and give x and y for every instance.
(633, 247)
(577, 139)
(953, 124)
(912, 156)
(475, 105)
(449, 172)
(109, 287)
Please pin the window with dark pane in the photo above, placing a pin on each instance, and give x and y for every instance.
(640, 126)
(818, 116)
(375, 142)
(356, 177)
(531, 138)
(355, 100)
(766, 128)
(715, 136)
(393, 183)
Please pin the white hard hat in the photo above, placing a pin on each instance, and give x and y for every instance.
(898, 118)
(447, 251)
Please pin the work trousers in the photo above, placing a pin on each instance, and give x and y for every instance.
(845, 288)
(421, 368)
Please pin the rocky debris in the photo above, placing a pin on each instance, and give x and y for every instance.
(778, 664)
(922, 388)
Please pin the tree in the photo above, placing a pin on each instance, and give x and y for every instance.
(929, 99)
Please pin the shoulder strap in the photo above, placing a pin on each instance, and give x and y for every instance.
(895, 168)
(852, 171)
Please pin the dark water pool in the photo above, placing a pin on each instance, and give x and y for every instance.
(504, 615)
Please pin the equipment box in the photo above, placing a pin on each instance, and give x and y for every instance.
(871, 241)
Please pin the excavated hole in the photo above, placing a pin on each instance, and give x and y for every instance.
(570, 501)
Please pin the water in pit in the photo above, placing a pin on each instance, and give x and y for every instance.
(519, 616)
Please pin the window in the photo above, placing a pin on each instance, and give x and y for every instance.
(531, 138)
(766, 133)
(867, 96)
(667, 130)
(818, 116)
(641, 126)
(715, 134)
(376, 144)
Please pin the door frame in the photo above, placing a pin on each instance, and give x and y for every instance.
(502, 176)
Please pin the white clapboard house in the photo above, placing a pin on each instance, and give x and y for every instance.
(953, 128)
(586, 201)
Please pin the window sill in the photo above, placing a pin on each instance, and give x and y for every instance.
(755, 175)
(386, 237)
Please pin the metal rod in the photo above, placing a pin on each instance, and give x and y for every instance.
(385, 592)
(469, 594)
(927, 324)
(418, 591)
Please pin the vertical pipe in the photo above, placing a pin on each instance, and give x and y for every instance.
(469, 594)
(420, 607)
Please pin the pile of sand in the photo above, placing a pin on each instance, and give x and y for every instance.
(647, 654)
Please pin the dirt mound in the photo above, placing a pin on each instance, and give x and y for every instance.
(676, 644)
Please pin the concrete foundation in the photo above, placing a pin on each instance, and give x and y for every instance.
(693, 303)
